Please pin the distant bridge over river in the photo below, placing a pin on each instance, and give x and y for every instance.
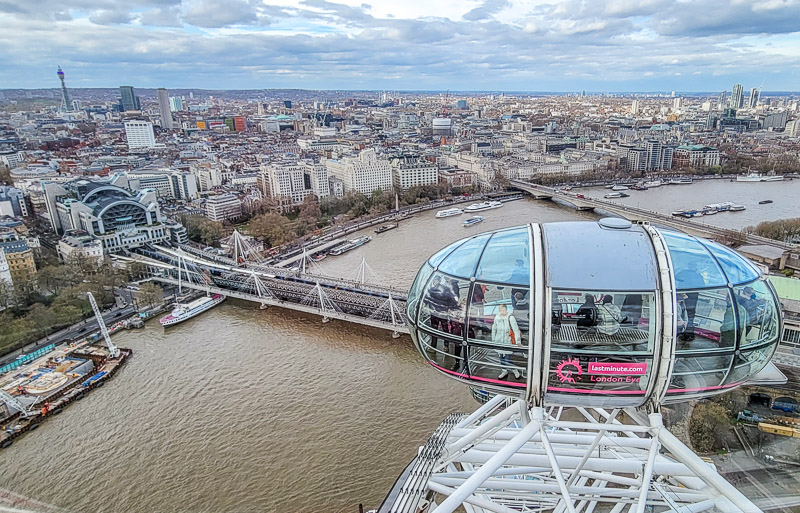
(635, 214)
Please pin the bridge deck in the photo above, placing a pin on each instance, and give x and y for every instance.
(583, 202)
(266, 300)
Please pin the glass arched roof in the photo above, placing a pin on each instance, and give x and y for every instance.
(700, 263)
(501, 256)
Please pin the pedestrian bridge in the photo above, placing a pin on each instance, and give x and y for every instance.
(635, 214)
(359, 302)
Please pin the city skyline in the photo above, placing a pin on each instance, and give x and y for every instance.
(494, 45)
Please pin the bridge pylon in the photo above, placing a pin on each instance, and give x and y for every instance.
(389, 311)
(365, 273)
(317, 298)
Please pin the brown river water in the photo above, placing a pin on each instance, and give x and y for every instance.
(242, 409)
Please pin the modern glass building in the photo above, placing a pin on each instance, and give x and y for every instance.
(594, 314)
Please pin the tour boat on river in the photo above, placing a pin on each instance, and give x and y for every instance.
(449, 212)
(473, 220)
(486, 205)
(185, 312)
(755, 177)
(349, 245)
(386, 228)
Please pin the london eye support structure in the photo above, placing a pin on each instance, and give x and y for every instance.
(65, 104)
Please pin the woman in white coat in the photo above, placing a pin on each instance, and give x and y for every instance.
(505, 331)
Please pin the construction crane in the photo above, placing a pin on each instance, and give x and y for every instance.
(14, 403)
(113, 351)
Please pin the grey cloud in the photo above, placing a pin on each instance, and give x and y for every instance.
(211, 14)
(486, 10)
(161, 17)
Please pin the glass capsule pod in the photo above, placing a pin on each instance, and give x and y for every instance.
(594, 314)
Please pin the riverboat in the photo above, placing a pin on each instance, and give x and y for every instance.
(350, 245)
(486, 205)
(620, 188)
(449, 212)
(319, 257)
(653, 183)
(185, 312)
(612, 195)
(473, 220)
(386, 228)
(756, 177)
(638, 187)
(764, 202)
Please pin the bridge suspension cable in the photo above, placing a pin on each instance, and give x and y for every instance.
(366, 273)
(317, 298)
(392, 313)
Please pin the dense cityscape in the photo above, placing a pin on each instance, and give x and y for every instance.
(117, 205)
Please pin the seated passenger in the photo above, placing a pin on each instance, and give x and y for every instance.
(505, 331)
(681, 316)
(587, 313)
(609, 316)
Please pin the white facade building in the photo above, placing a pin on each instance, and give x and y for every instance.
(5, 273)
(285, 180)
(140, 134)
(363, 173)
(411, 171)
(318, 176)
(79, 244)
(223, 206)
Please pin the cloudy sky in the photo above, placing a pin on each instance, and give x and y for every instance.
(596, 45)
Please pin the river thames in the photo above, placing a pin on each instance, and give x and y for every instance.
(242, 409)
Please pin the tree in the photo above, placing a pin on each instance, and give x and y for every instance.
(707, 426)
(150, 294)
(272, 229)
(136, 270)
(782, 229)
(202, 229)
(309, 214)
(6, 294)
(43, 318)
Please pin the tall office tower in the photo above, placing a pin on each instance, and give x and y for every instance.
(754, 97)
(139, 134)
(721, 102)
(176, 104)
(635, 107)
(163, 109)
(677, 103)
(66, 106)
(737, 96)
(128, 98)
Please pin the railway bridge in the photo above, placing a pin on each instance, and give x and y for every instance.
(355, 301)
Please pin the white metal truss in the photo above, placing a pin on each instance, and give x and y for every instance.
(509, 457)
(317, 298)
(113, 351)
(243, 251)
(254, 283)
(390, 312)
(365, 273)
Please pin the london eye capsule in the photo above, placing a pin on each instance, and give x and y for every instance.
(594, 314)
